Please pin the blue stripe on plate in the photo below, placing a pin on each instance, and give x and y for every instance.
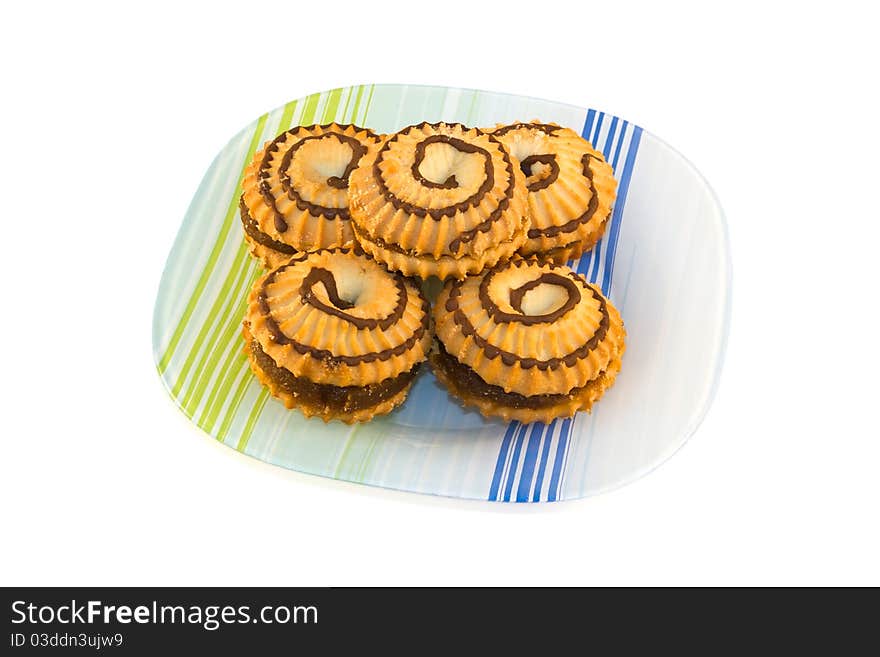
(557, 463)
(583, 265)
(617, 217)
(619, 146)
(610, 139)
(502, 459)
(528, 470)
(560, 488)
(598, 128)
(588, 125)
(514, 462)
(539, 482)
(596, 254)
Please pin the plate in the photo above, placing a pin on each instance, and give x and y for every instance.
(664, 262)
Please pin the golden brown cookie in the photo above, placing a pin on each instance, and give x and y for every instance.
(439, 199)
(295, 190)
(571, 188)
(337, 335)
(527, 340)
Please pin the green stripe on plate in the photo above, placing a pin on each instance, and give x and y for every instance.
(252, 419)
(227, 372)
(349, 441)
(240, 389)
(234, 356)
(287, 116)
(347, 101)
(362, 469)
(311, 105)
(229, 322)
(357, 103)
(208, 333)
(332, 106)
(367, 106)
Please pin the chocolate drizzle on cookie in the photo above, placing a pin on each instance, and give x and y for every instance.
(253, 230)
(539, 183)
(571, 226)
(457, 144)
(338, 182)
(474, 200)
(324, 276)
(543, 127)
(548, 159)
(509, 358)
(517, 294)
(358, 150)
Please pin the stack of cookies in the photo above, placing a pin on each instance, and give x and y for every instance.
(349, 224)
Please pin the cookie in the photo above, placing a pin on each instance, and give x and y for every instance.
(295, 190)
(336, 335)
(439, 199)
(527, 340)
(570, 188)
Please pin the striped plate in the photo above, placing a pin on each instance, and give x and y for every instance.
(664, 261)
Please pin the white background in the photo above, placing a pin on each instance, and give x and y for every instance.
(110, 116)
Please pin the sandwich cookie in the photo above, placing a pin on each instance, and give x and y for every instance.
(336, 335)
(295, 190)
(527, 340)
(439, 199)
(570, 188)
